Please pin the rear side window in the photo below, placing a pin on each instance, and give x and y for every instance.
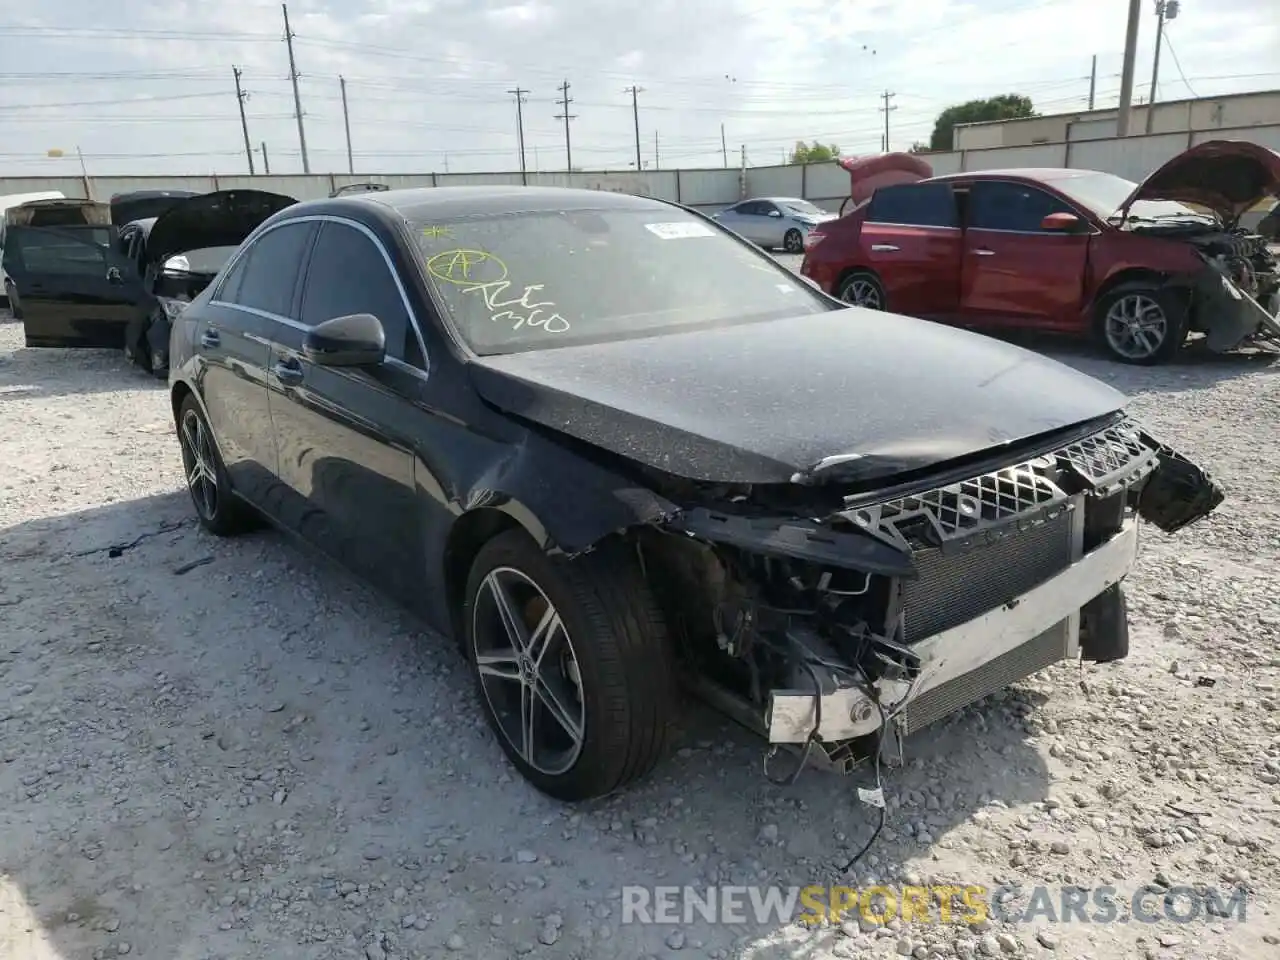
(75, 253)
(267, 274)
(914, 205)
(1004, 205)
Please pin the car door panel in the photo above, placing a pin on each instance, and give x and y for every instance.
(234, 343)
(346, 460)
(911, 238)
(1014, 272)
(73, 290)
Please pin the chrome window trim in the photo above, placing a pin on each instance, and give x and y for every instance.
(911, 226)
(386, 259)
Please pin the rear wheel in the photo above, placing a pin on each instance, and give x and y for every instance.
(1140, 323)
(220, 512)
(572, 665)
(862, 288)
(793, 242)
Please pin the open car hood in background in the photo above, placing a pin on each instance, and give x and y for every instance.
(221, 219)
(868, 173)
(1228, 177)
(145, 204)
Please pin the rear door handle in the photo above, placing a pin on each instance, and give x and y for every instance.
(210, 338)
(883, 248)
(983, 252)
(288, 370)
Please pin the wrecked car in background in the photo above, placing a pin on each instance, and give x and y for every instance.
(145, 204)
(178, 254)
(606, 443)
(69, 284)
(1070, 251)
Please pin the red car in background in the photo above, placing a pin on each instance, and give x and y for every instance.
(1070, 251)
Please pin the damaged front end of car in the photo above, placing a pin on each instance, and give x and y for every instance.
(899, 607)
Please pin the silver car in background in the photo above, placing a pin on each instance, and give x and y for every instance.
(773, 222)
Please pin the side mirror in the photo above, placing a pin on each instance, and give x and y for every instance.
(775, 213)
(1063, 223)
(356, 340)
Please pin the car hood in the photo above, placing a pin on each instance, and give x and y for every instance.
(764, 402)
(1227, 176)
(221, 219)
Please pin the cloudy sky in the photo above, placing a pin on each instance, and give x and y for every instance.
(147, 87)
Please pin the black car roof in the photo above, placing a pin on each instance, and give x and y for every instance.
(425, 203)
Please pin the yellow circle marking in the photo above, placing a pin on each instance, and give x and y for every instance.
(467, 267)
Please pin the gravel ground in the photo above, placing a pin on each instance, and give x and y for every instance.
(232, 750)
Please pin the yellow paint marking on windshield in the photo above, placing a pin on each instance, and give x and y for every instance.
(477, 271)
(467, 267)
(435, 232)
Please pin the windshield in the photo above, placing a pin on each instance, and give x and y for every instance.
(803, 207)
(535, 280)
(1104, 193)
(207, 260)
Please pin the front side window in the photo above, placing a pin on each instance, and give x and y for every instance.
(914, 205)
(1017, 207)
(542, 279)
(347, 275)
(803, 208)
(268, 271)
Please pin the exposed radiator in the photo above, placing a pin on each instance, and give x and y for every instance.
(1018, 664)
(955, 587)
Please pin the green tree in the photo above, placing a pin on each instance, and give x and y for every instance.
(1007, 106)
(814, 152)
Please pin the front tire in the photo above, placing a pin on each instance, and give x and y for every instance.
(220, 512)
(572, 664)
(793, 241)
(1141, 324)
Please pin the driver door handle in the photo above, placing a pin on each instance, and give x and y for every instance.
(288, 370)
(210, 338)
(984, 252)
(883, 247)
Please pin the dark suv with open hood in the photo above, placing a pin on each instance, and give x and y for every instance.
(91, 284)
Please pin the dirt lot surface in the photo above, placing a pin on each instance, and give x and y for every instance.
(227, 749)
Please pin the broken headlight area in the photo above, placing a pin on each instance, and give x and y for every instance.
(1237, 295)
(888, 615)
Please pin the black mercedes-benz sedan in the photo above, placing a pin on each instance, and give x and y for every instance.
(614, 450)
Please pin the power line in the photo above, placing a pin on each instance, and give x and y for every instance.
(635, 113)
(241, 97)
(297, 100)
(886, 110)
(1174, 53)
(566, 117)
(520, 94)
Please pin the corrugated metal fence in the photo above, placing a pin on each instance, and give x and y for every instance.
(823, 183)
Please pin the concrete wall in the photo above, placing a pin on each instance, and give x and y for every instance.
(826, 184)
(1233, 111)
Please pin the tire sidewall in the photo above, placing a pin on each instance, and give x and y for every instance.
(868, 277)
(518, 550)
(225, 517)
(1175, 315)
(793, 247)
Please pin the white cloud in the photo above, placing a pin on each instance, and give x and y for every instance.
(428, 80)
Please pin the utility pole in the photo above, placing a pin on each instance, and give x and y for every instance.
(1165, 10)
(519, 94)
(566, 117)
(297, 100)
(266, 164)
(886, 110)
(1093, 80)
(241, 97)
(1126, 70)
(724, 149)
(346, 122)
(657, 163)
(635, 113)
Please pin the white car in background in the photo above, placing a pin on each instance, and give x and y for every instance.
(773, 222)
(14, 200)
